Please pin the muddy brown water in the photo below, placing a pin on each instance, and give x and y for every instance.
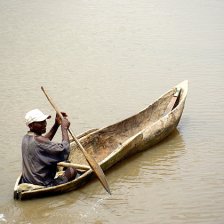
(103, 61)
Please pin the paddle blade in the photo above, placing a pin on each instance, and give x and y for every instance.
(97, 170)
(93, 164)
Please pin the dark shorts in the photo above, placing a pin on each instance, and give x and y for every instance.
(57, 181)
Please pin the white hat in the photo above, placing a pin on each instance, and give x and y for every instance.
(35, 116)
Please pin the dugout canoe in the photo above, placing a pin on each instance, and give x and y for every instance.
(111, 144)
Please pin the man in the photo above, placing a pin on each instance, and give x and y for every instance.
(40, 155)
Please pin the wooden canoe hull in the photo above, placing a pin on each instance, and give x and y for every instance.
(111, 144)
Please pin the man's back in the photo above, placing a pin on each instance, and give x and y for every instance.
(40, 159)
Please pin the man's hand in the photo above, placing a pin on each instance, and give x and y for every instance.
(58, 119)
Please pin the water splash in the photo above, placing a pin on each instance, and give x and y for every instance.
(95, 207)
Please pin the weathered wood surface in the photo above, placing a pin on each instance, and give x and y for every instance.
(111, 144)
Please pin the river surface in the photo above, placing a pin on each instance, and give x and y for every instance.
(102, 61)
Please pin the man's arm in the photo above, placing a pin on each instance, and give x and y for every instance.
(52, 132)
(64, 129)
(50, 135)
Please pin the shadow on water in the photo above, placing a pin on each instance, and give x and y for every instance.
(161, 154)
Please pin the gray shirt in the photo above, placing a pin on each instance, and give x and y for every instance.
(39, 160)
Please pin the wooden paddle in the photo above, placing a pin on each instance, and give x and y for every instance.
(93, 164)
(76, 166)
